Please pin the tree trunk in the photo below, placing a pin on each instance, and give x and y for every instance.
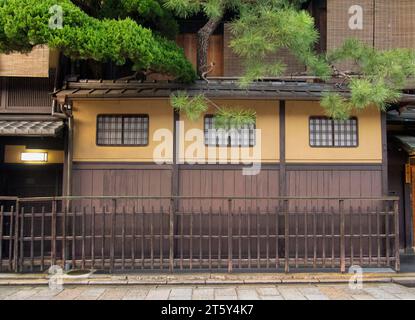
(203, 36)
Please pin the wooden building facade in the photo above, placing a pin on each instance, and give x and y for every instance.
(130, 182)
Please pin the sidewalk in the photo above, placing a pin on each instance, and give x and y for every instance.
(208, 279)
(372, 291)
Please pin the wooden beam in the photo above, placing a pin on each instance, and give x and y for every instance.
(283, 178)
(385, 183)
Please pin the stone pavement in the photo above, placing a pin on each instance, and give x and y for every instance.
(372, 291)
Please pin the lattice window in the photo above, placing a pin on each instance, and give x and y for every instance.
(244, 137)
(326, 132)
(122, 130)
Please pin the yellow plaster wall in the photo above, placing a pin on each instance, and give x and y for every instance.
(298, 149)
(85, 116)
(12, 155)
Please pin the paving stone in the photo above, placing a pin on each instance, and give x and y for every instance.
(220, 293)
(406, 296)
(69, 294)
(380, 294)
(247, 294)
(203, 294)
(362, 297)
(268, 291)
(181, 294)
(394, 288)
(7, 291)
(23, 294)
(158, 294)
(270, 297)
(316, 297)
(136, 294)
(91, 294)
(291, 293)
(113, 294)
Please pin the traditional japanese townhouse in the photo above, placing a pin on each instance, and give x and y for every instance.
(141, 190)
(31, 138)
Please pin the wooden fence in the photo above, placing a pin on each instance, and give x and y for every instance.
(157, 233)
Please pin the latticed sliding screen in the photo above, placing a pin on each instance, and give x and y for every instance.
(326, 132)
(120, 130)
(244, 137)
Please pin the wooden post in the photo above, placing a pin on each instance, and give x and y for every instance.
(171, 235)
(342, 239)
(230, 235)
(53, 233)
(287, 237)
(396, 214)
(16, 236)
(113, 224)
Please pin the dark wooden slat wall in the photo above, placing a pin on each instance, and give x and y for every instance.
(227, 183)
(122, 182)
(348, 182)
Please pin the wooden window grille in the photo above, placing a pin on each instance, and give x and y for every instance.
(122, 130)
(327, 132)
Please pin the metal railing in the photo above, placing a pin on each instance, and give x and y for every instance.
(198, 233)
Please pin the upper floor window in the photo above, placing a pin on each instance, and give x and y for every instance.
(122, 130)
(244, 137)
(327, 132)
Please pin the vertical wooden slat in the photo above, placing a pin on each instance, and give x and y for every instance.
(133, 236)
(13, 238)
(143, 215)
(378, 235)
(42, 240)
(210, 237)
(332, 236)
(324, 236)
(93, 226)
(267, 238)
(277, 237)
(220, 238)
(314, 238)
(112, 232)
(296, 216)
(360, 236)
(249, 236)
(230, 235)
(396, 215)
(1, 236)
(32, 238)
(161, 237)
(104, 215)
(53, 232)
(200, 238)
(287, 237)
(21, 227)
(152, 238)
(351, 237)
(369, 212)
(83, 222)
(387, 216)
(240, 237)
(181, 218)
(74, 238)
(258, 237)
(342, 238)
(305, 236)
(63, 226)
(191, 238)
(123, 239)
